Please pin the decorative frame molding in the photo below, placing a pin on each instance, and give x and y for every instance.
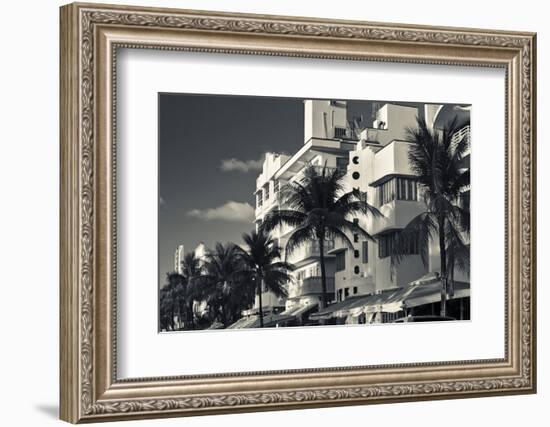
(90, 36)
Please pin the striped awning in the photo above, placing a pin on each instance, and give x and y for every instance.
(429, 293)
(425, 290)
(334, 310)
(298, 309)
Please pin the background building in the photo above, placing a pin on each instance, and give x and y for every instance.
(178, 259)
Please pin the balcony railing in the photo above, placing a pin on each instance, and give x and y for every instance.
(309, 286)
(464, 132)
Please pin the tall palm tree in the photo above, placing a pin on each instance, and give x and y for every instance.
(318, 209)
(220, 281)
(261, 258)
(170, 297)
(166, 306)
(436, 158)
(191, 271)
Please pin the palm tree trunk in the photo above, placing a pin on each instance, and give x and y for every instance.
(261, 309)
(443, 260)
(323, 273)
(191, 315)
(224, 315)
(451, 281)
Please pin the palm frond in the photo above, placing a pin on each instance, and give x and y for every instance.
(335, 221)
(354, 203)
(299, 237)
(420, 230)
(280, 217)
(458, 251)
(275, 282)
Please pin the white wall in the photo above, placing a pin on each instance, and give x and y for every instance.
(29, 215)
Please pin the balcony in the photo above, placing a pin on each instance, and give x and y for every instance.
(397, 214)
(392, 160)
(309, 286)
(309, 251)
(273, 200)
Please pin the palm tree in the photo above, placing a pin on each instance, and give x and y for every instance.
(220, 282)
(166, 306)
(436, 158)
(319, 209)
(170, 297)
(191, 271)
(261, 258)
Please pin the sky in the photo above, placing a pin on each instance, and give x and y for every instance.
(211, 150)
(210, 153)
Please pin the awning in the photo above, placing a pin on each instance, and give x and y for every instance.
(389, 300)
(298, 310)
(425, 290)
(333, 309)
(428, 293)
(271, 320)
(274, 319)
(243, 322)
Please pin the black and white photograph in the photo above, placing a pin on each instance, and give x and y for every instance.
(287, 212)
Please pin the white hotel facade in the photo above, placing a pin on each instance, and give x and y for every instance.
(375, 160)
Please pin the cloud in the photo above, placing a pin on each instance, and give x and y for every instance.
(230, 211)
(244, 166)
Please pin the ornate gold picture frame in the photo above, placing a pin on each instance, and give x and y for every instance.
(90, 37)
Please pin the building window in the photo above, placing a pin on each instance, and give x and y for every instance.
(276, 187)
(346, 292)
(398, 189)
(259, 198)
(341, 261)
(356, 269)
(355, 290)
(355, 253)
(355, 160)
(356, 238)
(356, 221)
(386, 243)
(386, 192)
(266, 196)
(339, 132)
(339, 294)
(365, 252)
(355, 175)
